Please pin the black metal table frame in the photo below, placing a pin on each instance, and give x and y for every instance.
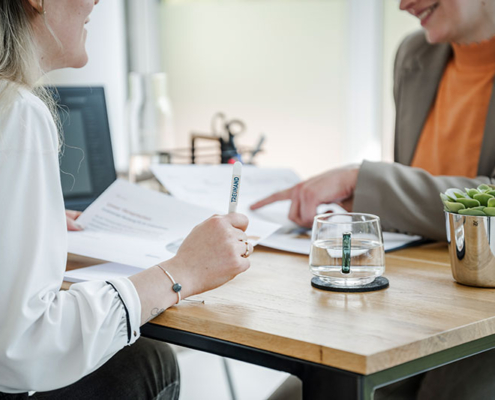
(319, 381)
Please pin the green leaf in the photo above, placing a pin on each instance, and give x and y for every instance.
(454, 207)
(469, 203)
(490, 211)
(472, 192)
(491, 192)
(484, 188)
(445, 198)
(455, 193)
(491, 203)
(477, 213)
(483, 198)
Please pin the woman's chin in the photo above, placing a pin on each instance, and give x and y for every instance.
(80, 62)
(434, 36)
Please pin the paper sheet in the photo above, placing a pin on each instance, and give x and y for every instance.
(295, 242)
(131, 225)
(299, 241)
(208, 185)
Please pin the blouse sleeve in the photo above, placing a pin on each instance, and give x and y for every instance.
(48, 338)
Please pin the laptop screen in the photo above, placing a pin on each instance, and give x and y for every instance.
(74, 171)
(86, 162)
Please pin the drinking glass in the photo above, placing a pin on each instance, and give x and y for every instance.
(347, 249)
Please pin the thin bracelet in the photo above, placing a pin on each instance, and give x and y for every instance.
(176, 287)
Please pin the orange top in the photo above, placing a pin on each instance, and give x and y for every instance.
(450, 143)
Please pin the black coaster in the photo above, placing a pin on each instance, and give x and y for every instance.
(378, 284)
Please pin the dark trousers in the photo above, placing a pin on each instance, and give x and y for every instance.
(146, 370)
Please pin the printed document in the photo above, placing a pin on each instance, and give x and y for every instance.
(208, 185)
(131, 225)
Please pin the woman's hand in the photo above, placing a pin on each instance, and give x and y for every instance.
(334, 186)
(212, 254)
(71, 217)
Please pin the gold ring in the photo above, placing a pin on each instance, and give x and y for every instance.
(246, 254)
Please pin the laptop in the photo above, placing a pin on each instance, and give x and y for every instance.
(86, 163)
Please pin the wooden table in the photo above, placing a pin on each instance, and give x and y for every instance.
(341, 345)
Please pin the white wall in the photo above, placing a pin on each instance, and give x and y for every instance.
(365, 32)
(283, 66)
(107, 66)
(144, 36)
(279, 65)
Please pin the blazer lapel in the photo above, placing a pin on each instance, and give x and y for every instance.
(486, 165)
(419, 80)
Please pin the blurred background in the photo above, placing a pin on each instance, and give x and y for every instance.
(314, 76)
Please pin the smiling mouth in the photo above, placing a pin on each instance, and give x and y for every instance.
(427, 12)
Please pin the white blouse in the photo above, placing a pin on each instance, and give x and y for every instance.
(48, 338)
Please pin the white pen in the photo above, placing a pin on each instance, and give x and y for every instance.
(235, 187)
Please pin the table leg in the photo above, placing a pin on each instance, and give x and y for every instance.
(320, 382)
(403, 371)
(323, 384)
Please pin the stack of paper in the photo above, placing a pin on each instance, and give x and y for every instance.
(131, 225)
(136, 228)
(208, 184)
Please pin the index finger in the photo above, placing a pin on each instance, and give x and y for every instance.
(73, 214)
(282, 195)
(239, 221)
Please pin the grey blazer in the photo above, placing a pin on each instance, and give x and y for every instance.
(407, 199)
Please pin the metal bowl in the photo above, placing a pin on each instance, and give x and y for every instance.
(472, 249)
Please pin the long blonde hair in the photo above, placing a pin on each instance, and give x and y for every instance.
(19, 56)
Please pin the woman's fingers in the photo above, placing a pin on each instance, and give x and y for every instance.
(308, 212)
(73, 225)
(239, 221)
(240, 235)
(279, 196)
(251, 248)
(71, 216)
(213, 253)
(347, 204)
(244, 264)
(245, 249)
(294, 209)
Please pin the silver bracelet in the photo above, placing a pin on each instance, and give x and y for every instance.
(176, 287)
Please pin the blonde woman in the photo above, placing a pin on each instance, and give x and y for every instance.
(83, 343)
